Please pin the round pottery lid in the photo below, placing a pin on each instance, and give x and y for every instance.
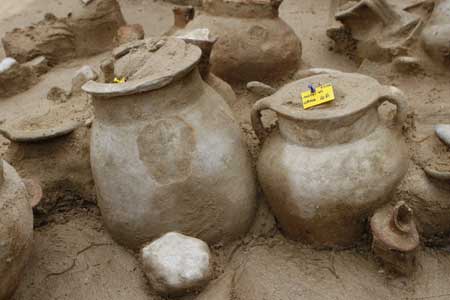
(385, 231)
(60, 120)
(353, 93)
(148, 65)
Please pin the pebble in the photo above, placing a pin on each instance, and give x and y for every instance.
(176, 264)
(260, 89)
(443, 132)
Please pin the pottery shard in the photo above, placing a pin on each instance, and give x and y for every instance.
(50, 38)
(130, 33)
(39, 65)
(176, 264)
(83, 75)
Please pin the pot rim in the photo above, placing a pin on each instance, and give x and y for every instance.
(150, 82)
(368, 94)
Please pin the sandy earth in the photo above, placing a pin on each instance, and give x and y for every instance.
(75, 259)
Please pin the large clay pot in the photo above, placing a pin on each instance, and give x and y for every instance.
(326, 169)
(16, 229)
(254, 43)
(166, 152)
(436, 35)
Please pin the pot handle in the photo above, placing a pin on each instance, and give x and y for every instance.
(398, 98)
(257, 124)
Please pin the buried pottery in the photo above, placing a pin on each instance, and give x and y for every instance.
(167, 154)
(326, 169)
(16, 227)
(254, 43)
(395, 238)
(436, 35)
(87, 30)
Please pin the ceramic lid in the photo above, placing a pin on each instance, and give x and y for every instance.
(353, 93)
(148, 66)
(59, 120)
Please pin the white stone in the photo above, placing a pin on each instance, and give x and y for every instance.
(443, 132)
(7, 63)
(83, 75)
(176, 264)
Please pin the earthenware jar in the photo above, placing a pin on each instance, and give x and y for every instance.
(254, 43)
(16, 227)
(166, 152)
(325, 169)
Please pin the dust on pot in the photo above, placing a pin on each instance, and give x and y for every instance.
(167, 154)
(326, 169)
(254, 43)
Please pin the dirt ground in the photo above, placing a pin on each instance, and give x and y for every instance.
(74, 258)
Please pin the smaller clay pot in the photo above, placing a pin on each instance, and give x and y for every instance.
(16, 227)
(395, 238)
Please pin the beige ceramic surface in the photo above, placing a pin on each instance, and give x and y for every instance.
(324, 177)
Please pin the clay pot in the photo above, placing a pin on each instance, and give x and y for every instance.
(254, 43)
(16, 228)
(166, 152)
(436, 35)
(325, 170)
(395, 238)
(54, 147)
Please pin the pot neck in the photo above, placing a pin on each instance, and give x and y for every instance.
(329, 132)
(243, 8)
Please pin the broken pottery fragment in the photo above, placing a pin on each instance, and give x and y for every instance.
(176, 264)
(157, 163)
(395, 238)
(87, 30)
(436, 35)
(374, 29)
(443, 132)
(319, 167)
(16, 227)
(254, 42)
(130, 33)
(202, 38)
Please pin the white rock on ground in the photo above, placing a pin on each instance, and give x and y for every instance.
(443, 132)
(7, 63)
(83, 75)
(176, 264)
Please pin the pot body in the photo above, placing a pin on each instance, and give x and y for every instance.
(248, 49)
(436, 35)
(322, 193)
(171, 159)
(16, 230)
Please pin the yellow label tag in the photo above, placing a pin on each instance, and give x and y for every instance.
(120, 80)
(323, 94)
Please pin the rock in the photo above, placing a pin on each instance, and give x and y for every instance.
(83, 75)
(130, 33)
(7, 64)
(260, 89)
(176, 264)
(39, 65)
(443, 132)
(86, 2)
